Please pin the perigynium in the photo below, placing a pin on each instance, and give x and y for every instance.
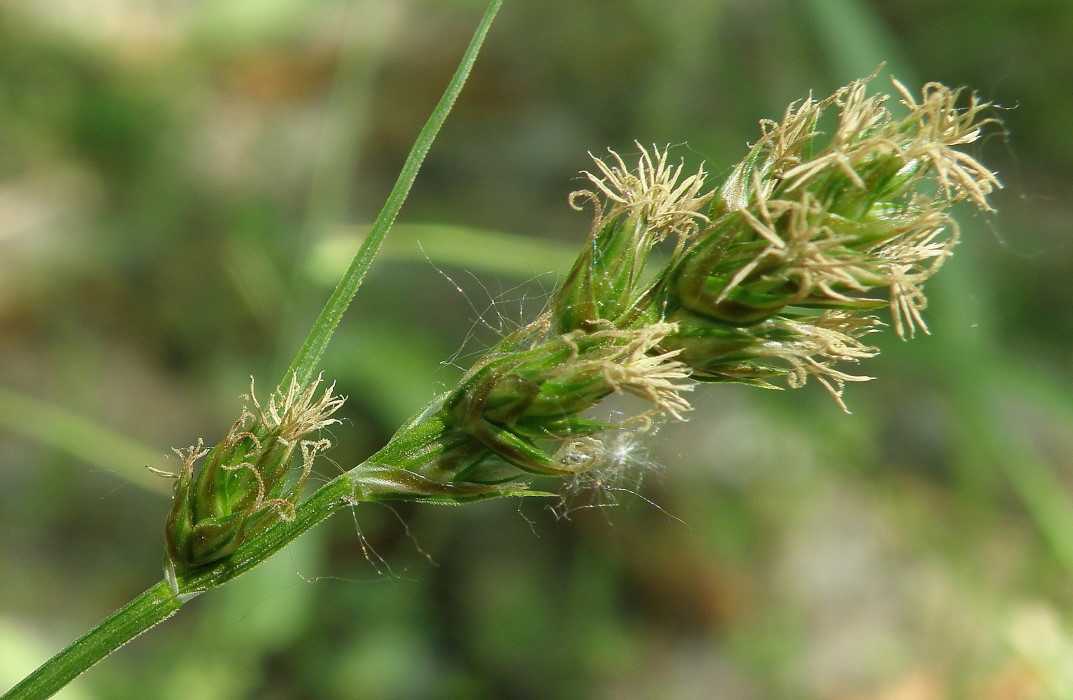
(839, 210)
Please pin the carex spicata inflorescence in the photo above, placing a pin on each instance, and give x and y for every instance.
(837, 211)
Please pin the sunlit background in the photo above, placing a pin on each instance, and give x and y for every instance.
(182, 182)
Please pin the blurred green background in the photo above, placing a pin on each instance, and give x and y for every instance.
(180, 184)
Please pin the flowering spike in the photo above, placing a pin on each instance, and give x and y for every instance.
(804, 234)
(773, 275)
(513, 400)
(245, 484)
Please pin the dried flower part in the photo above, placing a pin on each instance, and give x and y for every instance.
(641, 369)
(298, 412)
(247, 481)
(654, 193)
(643, 207)
(816, 345)
(940, 125)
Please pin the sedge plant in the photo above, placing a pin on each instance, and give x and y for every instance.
(836, 217)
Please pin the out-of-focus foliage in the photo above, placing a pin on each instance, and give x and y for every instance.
(171, 174)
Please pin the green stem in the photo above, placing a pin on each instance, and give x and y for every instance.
(416, 464)
(308, 358)
(144, 612)
(164, 599)
(405, 457)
